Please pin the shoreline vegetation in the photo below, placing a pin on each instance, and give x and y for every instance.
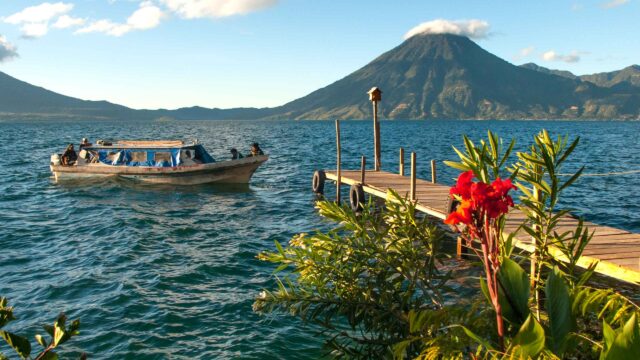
(376, 286)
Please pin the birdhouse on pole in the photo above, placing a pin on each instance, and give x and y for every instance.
(375, 94)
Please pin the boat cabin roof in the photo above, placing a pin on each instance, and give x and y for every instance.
(143, 144)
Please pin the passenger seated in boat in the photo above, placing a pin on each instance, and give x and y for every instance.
(85, 143)
(255, 150)
(235, 154)
(69, 156)
(187, 158)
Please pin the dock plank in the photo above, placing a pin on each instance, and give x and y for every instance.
(616, 251)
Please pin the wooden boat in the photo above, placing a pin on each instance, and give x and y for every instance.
(160, 162)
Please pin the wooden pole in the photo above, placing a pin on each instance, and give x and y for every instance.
(413, 176)
(433, 171)
(401, 165)
(338, 161)
(363, 165)
(376, 136)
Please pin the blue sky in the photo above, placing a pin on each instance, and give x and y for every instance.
(231, 53)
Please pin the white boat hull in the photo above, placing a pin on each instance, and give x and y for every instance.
(225, 172)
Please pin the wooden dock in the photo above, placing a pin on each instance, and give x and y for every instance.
(616, 251)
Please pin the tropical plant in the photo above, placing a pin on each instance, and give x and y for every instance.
(59, 334)
(563, 306)
(361, 281)
(479, 218)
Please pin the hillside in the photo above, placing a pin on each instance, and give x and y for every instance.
(451, 77)
(425, 77)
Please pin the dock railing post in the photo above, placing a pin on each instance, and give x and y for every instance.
(413, 177)
(363, 165)
(433, 172)
(338, 161)
(401, 164)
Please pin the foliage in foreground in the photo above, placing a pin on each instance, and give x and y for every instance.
(375, 283)
(59, 333)
(370, 283)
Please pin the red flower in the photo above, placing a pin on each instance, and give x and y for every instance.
(463, 186)
(479, 198)
(461, 215)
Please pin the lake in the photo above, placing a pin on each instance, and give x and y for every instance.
(158, 272)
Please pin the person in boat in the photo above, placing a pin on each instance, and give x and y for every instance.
(69, 156)
(85, 143)
(255, 150)
(235, 155)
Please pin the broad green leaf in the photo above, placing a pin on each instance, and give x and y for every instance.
(558, 304)
(529, 341)
(18, 343)
(627, 342)
(515, 290)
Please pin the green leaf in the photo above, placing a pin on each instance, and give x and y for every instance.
(41, 341)
(529, 341)
(486, 344)
(514, 284)
(558, 304)
(18, 343)
(627, 342)
(609, 336)
(50, 356)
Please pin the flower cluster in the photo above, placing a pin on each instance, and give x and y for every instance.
(478, 199)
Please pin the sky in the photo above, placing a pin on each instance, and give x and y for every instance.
(261, 53)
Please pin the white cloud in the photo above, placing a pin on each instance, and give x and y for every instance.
(551, 55)
(39, 14)
(34, 30)
(66, 21)
(148, 16)
(34, 20)
(7, 50)
(475, 29)
(192, 9)
(614, 3)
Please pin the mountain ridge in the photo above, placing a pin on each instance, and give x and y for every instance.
(426, 77)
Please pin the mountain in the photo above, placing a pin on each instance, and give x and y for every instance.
(451, 77)
(20, 99)
(630, 75)
(425, 77)
(542, 69)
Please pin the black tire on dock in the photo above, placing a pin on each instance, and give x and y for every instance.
(317, 185)
(356, 197)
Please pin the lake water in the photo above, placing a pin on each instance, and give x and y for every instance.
(170, 272)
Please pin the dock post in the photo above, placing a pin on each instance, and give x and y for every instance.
(413, 176)
(375, 95)
(433, 171)
(338, 161)
(401, 164)
(376, 126)
(363, 165)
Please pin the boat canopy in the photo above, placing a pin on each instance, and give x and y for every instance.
(151, 156)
